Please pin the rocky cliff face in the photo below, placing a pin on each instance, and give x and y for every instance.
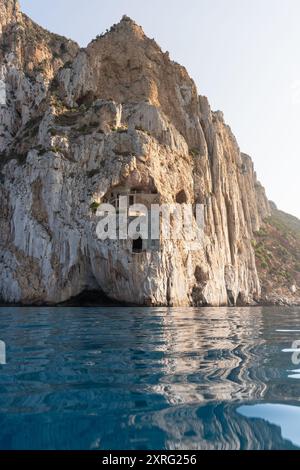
(77, 123)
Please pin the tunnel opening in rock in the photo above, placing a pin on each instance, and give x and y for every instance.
(137, 245)
(181, 197)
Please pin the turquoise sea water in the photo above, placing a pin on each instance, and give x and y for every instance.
(150, 378)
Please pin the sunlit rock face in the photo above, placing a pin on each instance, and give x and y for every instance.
(76, 125)
(30, 57)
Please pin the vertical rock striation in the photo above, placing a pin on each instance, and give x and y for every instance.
(29, 59)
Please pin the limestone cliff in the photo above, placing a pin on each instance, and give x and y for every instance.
(77, 124)
(29, 59)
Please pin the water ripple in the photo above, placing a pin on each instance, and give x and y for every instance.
(143, 378)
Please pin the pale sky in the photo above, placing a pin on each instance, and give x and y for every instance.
(243, 54)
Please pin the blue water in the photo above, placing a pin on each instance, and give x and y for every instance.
(145, 378)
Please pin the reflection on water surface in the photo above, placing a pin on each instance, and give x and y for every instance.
(143, 378)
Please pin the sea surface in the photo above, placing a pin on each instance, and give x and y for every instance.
(150, 378)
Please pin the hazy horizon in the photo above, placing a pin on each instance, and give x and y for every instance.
(241, 54)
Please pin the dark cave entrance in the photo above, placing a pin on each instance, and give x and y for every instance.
(137, 245)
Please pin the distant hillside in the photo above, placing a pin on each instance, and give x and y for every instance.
(277, 250)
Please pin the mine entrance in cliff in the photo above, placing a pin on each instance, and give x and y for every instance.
(139, 197)
(137, 245)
